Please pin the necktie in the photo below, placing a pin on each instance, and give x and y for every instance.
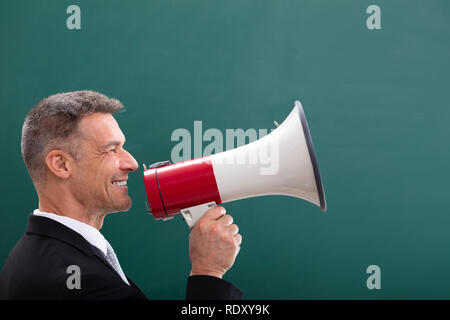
(114, 262)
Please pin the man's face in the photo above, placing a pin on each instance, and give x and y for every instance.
(99, 178)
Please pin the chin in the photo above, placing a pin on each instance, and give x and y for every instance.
(122, 207)
(125, 206)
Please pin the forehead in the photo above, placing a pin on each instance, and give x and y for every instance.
(100, 128)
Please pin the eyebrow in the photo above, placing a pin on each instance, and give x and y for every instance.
(113, 143)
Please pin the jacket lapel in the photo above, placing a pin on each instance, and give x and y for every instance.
(99, 254)
(53, 229)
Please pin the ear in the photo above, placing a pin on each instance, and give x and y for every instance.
(59, 163)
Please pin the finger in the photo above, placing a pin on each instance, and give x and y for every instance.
(226, 220)
(214, 213)
(232, 229)
(237, 239)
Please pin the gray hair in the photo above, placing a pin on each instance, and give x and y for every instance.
(53, 124)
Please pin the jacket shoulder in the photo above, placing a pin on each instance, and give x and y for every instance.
(35, 267)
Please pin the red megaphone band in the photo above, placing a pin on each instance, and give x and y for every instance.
(173, 187)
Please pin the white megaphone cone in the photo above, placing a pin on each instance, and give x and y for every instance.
(280, 163)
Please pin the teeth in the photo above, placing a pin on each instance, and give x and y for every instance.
(120, 183)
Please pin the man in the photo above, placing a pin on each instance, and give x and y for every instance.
(74, 151)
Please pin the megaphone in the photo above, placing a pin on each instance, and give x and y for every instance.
(192, 187)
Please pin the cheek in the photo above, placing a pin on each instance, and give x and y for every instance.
(97, 172)
(109, 168)
(86, 179)
(90, 172)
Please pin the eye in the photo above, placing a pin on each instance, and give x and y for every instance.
(113, 150)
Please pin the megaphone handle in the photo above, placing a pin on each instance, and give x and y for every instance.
(193, 214)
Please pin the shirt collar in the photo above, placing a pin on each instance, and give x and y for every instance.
(92, 235)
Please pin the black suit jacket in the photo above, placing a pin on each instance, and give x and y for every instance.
(37, 268)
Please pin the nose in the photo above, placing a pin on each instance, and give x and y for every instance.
(128, 162)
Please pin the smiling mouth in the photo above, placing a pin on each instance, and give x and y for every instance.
(120, 184)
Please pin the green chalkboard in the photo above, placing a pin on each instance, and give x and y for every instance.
(377, 100)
